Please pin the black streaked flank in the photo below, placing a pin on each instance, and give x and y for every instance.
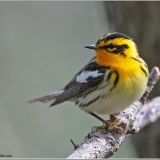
(109, 75)
(139, 61)
(136, 59)
(87, 104)
(90, 91)
(144, 71)
(116, 79)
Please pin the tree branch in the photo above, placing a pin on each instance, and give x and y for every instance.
(103, 143)
(148, 114)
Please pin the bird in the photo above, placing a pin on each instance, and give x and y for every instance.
(111, 81)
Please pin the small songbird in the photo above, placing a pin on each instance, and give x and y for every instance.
(109, 82)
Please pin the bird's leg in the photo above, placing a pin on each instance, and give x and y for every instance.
(96, 116)
(113, 117)
(113, 124)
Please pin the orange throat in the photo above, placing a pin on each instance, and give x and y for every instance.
(124, 65)
(108, 59)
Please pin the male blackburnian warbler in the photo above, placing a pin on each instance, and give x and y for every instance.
(110, 82)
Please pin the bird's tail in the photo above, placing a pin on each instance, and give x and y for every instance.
(47, 98)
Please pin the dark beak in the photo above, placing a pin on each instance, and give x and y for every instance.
(93, 46)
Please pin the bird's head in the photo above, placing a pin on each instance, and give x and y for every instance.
(114, 46)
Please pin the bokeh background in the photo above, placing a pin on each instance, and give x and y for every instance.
(41, 48)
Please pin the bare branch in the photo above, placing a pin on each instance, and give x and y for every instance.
(103, 143)
(148, 114)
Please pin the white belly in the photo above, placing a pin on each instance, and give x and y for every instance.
(123, 95)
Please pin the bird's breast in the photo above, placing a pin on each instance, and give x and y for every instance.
(116, 94)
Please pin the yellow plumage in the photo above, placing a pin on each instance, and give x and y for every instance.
(110, 82)
(132, 75)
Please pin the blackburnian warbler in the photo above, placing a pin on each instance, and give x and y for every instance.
(109, 82)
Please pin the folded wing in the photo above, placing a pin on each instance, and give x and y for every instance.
(85, 80)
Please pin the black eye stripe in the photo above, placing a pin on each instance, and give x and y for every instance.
(118, 48)
(111, 46)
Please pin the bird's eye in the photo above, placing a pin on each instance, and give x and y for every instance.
(109, 47)
(116, 48)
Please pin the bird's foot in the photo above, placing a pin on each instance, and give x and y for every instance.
(114, 124)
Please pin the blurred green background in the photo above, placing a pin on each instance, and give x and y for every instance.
(41, 48)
